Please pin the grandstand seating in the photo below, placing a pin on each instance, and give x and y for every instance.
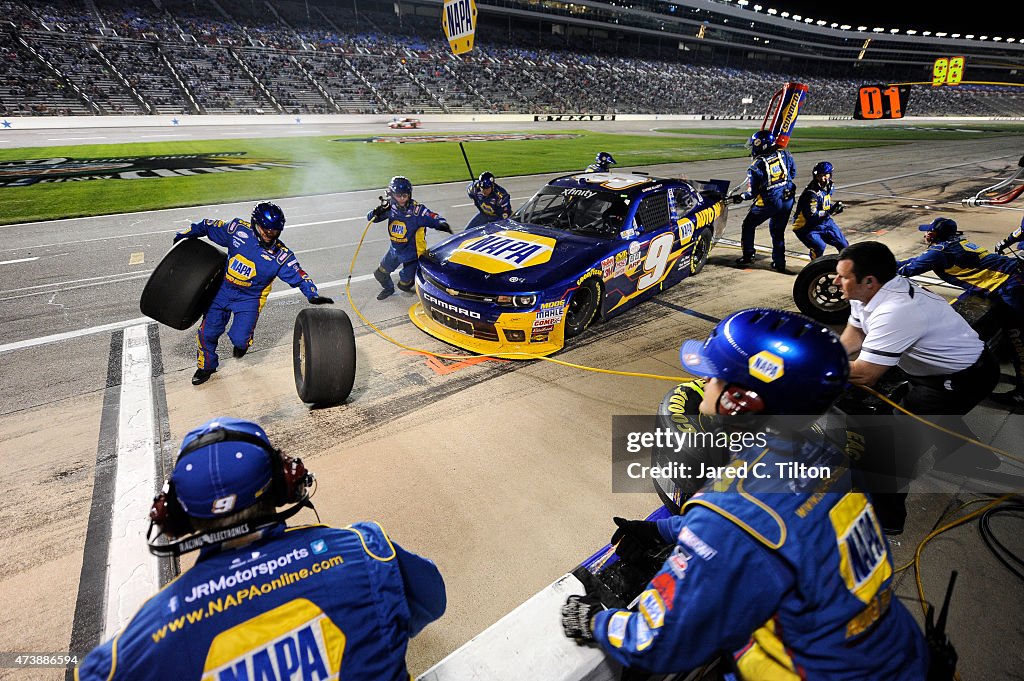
(309, 56)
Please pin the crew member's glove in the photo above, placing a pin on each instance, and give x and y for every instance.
(1000, 247)
(788, 193)
(445, 227)
(321, 300)
(836, 208)
(578, 617)
(194, 227)
(736, 198)
(636, 538)
(380, 211)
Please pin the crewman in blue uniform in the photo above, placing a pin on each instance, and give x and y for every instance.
(790, 573)
(256, 257)
(812, 222)
(603, 163)
(771, 184)
(263, 600)
(407, 222)
(491, 200)
(962, 263)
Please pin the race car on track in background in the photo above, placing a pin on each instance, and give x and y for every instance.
(587, 245)
(404, 123)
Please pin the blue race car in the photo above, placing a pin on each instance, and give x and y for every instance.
(585, 246)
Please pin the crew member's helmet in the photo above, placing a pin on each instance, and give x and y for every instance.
(268, 216)
(773, 362)
(399, 185)
(761, 142)
(605, 159)
(820, 170)
(939, 230)
(486, 180)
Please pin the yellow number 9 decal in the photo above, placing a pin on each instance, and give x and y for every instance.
(939, 70)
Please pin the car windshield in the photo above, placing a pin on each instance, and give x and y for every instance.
(575, 210)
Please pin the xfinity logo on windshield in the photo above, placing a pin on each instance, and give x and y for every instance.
(452, 308)
(585, 193)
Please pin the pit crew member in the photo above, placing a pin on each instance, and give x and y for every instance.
(793, 584)
(264, 600)
(770, 183)
(407, 222)
(1014, 237)
(256, 257)
(812, 222)
(603, 163)
(959, 261)
(491, 199)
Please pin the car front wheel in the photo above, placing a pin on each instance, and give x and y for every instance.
(582, 307)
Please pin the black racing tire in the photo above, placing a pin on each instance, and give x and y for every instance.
(582, 307)
(815, 294)
(181, 287)
(324, 356)
(701, 250)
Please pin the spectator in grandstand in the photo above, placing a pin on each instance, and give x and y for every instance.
(407, 222)
(603, 163)
(957, 260)
(302, 598)
(760, 573)
(491, 200)
(770, 183)
(813, 223)
(256, 257)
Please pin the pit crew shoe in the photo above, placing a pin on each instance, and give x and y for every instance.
(202, 376)
(386, 293)
(745, 260)
(405, 287)
(238, 352)
(782, 269)
(1013, 399)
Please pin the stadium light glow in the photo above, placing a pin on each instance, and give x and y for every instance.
(984, 37)
(969, 36)
(926, 33)
(797, 17)
(997, 38)
(808, 20)
(784, 15)
(894, 30)
(911, 32)
(862, 28)
(940, 34)
(954, 35)
(772, 11)
(878, 29)
(833, 24)
(742, 3)
(757, 8)
(820, 22)
(844, 27)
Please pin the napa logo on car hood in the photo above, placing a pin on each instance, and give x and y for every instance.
(503, 251)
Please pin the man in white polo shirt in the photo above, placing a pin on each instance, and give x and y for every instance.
(894, 322)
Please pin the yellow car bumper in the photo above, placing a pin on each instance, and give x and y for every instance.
(537, 344)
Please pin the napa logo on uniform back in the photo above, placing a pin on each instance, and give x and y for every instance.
(863, 558)
(241, 270)
(294, 641)
(503, 251)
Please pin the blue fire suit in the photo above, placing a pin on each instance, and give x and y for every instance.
(770, 184)
(813, 223)
(497, 206)
(966, 265)
(599, 168)
(407, 229)
(1015, 237)
(251, 270)
(298, 603)
(791, 574)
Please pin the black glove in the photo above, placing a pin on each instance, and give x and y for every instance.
(1000, 247)
(736, 198)
(636, 538)
(380, 211)
(321, 300)
(578, 617)
(836, 208)
(789, 193)
(445, 227)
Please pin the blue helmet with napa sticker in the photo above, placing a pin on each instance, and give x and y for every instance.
(605, 159)
(782, 363)
(486, 180)
(761, 142)
(224, 466)
(399, 185)
(821, 169)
